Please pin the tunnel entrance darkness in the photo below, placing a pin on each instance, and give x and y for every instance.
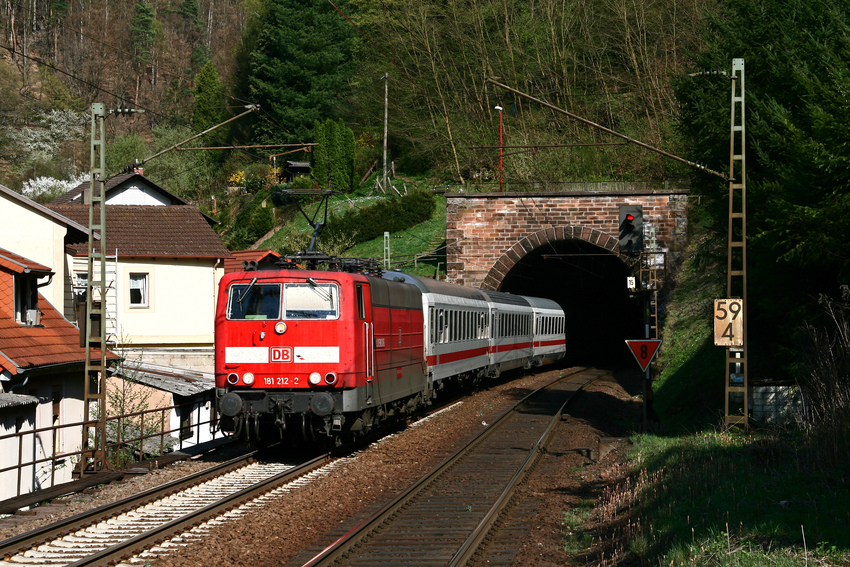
(589, 283)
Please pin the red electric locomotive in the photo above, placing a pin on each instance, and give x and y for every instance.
(315, 352)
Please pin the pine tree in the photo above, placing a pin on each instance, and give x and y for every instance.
(210, 100)
(797, 58)
(332, 161)
(300, 67)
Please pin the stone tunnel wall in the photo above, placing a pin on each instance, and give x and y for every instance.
(489, 233)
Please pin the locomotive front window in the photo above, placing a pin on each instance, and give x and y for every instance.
(311, 300)
(253, 301)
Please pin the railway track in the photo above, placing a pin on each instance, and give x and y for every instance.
(173, 512)
(445, 517)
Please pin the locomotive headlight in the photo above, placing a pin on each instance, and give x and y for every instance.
(315, 378)
(248, 378)
(232, 378)
(280, 327)
(330, 378)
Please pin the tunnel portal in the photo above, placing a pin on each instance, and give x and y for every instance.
(589, 283)
(565, 246)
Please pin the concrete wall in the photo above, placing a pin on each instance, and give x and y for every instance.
(777, 405)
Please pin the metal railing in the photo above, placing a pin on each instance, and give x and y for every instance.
(131, 438)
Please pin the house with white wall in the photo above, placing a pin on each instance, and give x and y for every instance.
(165, 262)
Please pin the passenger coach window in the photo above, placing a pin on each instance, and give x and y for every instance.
(310, 301)
(253, 301)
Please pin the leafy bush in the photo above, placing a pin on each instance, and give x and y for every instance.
(391, 215)
(251, 222)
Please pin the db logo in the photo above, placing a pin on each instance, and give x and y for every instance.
(281, 354)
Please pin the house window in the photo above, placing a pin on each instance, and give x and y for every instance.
(81, 282)
(26, 298)
(139, 290)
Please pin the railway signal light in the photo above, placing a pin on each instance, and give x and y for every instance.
(631, 228)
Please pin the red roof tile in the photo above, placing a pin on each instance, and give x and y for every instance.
(74, 196)
(234, 263)
(20, 265)
(152, 231)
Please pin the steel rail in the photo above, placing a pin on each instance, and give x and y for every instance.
(339, 548)
(62, 527)
(122, 551)
(473, 542)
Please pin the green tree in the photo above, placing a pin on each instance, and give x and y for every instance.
(797, 57)
(332, 161)
(123, 151)
(193, 30)
(300, 67)
(144, 30)
(193, 176)
(210, 101)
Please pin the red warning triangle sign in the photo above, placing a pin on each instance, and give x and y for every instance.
(644, 351)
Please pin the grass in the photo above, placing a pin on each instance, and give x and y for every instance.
(688, 360)
(423, 238)
(751, 499)
(576, 539)
(715, 498)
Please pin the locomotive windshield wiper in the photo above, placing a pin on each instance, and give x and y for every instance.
(247, 289)
(322, 293)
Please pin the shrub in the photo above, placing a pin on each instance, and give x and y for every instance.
(391, 215)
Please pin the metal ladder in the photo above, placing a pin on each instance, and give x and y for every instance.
(94, 428)
(736, 280)
(651, 281)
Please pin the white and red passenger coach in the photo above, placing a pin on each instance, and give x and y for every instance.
(316, 354)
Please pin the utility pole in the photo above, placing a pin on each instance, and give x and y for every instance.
(94, 326)
(94, 428)
(501, 150)
(731, 314)
(94, 457)
(386, 79)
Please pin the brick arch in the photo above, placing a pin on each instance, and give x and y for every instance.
(535, 240)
